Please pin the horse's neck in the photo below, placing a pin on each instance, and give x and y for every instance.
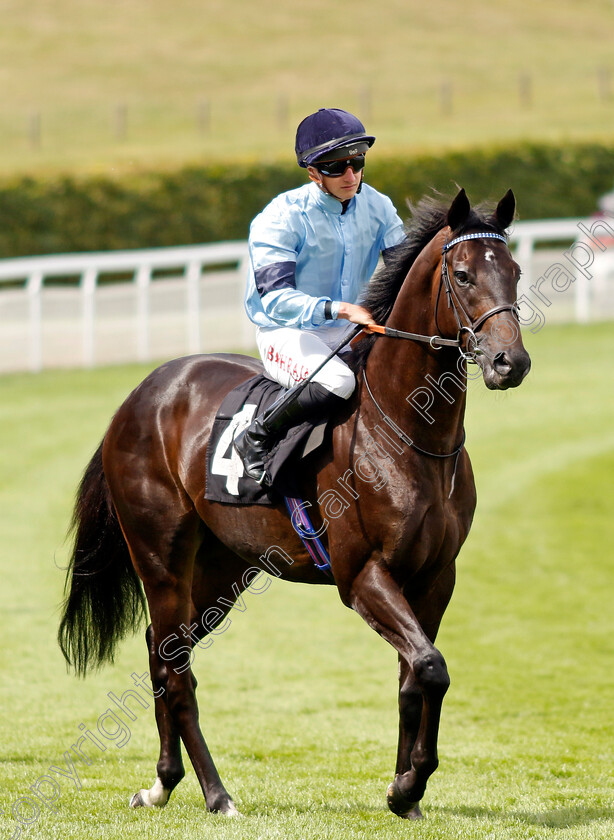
(419, 388)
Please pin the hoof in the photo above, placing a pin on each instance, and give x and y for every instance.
(231, 810)
(400, 806)
(228, 809)
(136, 800)
(414, 814)
(156, 797)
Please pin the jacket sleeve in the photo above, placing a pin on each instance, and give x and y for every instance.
(394, 233)
(274, 243)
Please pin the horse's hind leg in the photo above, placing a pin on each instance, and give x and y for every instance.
(169, 770)
(163, 539)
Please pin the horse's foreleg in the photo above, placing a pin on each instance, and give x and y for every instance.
(410, 714)
(169, 770)
(419, 712)
(423, 683)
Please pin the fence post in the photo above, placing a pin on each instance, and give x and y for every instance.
(365, 102)
(525, 90)
(605, 83)
(193, 275)
(524, 258)
(34, 286)
(35, 130)
(203, 117)
(445, 95)
(283, 110)
(88, 290)
(143, 282)
(121, 121)
(247, 328)
(582, 299)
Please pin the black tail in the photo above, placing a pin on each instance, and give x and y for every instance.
(103, 594)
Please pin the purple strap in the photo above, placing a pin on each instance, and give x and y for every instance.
(313, 544)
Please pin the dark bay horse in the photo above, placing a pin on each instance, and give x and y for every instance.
(392, 496)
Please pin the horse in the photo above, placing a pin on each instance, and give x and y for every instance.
(391, 495)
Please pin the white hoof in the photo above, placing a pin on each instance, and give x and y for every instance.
(156, 797)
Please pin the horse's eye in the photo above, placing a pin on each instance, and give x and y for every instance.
(461, 278)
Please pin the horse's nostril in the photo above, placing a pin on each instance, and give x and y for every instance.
(501, 363)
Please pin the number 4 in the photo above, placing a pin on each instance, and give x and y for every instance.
(231, 466)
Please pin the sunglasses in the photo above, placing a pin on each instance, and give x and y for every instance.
(336, 168)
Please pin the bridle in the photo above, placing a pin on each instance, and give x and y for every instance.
(470, 326)
(464, 322)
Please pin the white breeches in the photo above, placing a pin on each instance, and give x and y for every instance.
(289, 355)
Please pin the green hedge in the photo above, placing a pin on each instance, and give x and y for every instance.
(210, 204)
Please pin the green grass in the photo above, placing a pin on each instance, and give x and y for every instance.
(260, 67)
(298, 697)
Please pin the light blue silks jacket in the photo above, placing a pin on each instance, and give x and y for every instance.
(305, 251)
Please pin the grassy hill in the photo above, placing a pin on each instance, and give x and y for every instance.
(97, 86)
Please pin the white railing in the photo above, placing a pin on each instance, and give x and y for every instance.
(584, 257)
(189, 276)
(96, 308)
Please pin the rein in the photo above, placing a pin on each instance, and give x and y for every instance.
(404, 438)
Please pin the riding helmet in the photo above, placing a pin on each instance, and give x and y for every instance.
(329, 134)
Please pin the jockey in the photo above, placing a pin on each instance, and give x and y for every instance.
(313, 251)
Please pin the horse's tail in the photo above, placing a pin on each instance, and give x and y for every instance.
(103, 598)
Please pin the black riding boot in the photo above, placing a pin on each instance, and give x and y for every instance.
(312, 402)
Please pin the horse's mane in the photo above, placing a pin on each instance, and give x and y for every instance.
(428, 217)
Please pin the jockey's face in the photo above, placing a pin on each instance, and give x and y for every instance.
(343, 187)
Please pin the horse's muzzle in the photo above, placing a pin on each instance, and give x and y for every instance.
(506, 369)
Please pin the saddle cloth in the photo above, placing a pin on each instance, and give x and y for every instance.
(226, 479)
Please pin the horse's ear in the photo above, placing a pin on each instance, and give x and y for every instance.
(459, 210)
(506, 208)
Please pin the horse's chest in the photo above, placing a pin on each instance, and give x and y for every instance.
(403, 512)
(423, 528)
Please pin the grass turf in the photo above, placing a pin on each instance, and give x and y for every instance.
(298, 697)
(89, 85)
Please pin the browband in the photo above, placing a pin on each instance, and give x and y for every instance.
(468, 236)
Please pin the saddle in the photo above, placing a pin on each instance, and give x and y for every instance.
(226, 479)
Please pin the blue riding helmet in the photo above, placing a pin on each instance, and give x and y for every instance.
(329, 134)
